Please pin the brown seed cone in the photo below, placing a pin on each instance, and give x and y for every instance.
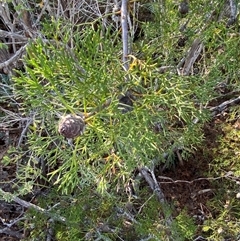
(71, 126)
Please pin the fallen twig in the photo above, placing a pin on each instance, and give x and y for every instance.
(217, 109)
(192, 56)
(170, 180)
(6, 34)
(11, 233)
(233, 12)
(151, 180)
(5, 14)
(124, 13)
(14, 58)
(23, 203)
(150, 177)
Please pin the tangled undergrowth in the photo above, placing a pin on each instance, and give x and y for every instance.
(157, 157)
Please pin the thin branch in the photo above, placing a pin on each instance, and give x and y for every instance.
(152, 182)
(26, 204)
(217, 109)
(6, 34)
(29, 122)
(233, 8)
(124, 19)
(192, 56)
(5, 15)
(226, 96)
(11, 233)
(14, 58)
(150, 177)
(233, 12)
(15, 221)
(200, 238)
(170, 180)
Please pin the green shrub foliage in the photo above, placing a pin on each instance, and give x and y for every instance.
(76, 70)
(59, 79)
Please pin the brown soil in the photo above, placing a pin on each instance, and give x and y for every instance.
(190, 187)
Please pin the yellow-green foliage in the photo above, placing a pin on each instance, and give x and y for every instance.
(76, 69)
(225, 206)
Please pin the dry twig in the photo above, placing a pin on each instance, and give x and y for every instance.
(14, 58)
(192, 56)
(233, 12)
(11, 233)
(26, 204)
(124, 14)
(150, 177)
(218, 109)
(170, 180)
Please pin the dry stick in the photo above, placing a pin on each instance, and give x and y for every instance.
(6, 34)
(15, 57)
(26, 204)
(25, 129)
(11, 233)
(188, 62)
(228, 96)
(150, 177)
(145, 171)
(5, 15)
(233, 9)
(194, 51)
(228, 175)
(217, 109)
(7, 230)
(124, 13)
(192, 56)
